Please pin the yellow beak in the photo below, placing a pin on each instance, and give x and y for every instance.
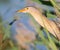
(22, 10)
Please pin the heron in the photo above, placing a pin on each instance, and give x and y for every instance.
(51, 25)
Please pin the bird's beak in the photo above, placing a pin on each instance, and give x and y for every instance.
(22, 10)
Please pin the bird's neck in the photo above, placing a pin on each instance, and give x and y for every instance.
(44, 22)
(37, 16)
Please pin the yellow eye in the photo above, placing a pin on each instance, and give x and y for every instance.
(27, 8)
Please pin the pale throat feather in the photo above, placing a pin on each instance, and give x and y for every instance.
(36, 16)
(44, 22)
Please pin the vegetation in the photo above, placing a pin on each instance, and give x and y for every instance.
(50, 42)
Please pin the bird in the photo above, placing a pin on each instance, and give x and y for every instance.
(50, 25)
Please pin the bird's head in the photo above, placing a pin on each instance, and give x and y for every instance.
(25, 10)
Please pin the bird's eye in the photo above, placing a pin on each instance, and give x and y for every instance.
(27, 8)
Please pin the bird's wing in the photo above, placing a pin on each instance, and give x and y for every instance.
(57, 22)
